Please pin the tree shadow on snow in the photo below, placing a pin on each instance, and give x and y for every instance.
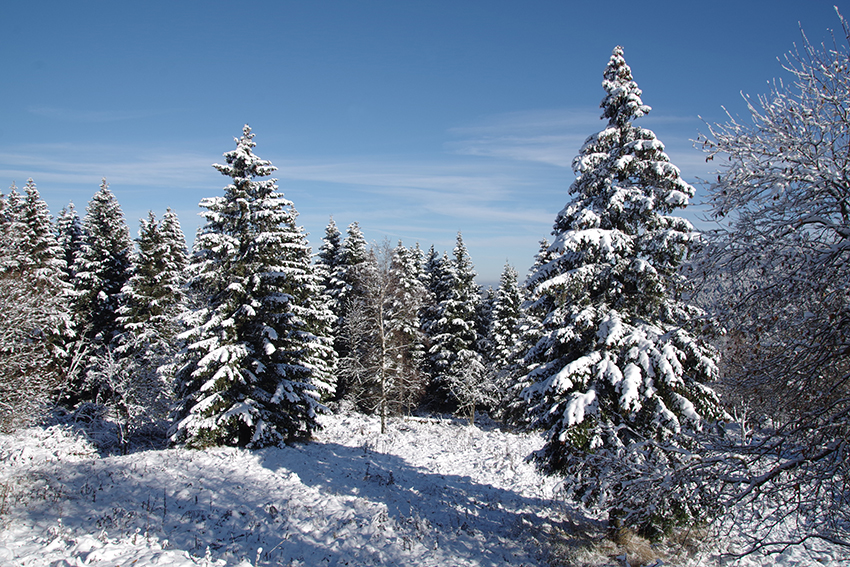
(346, 506)
(468, 521)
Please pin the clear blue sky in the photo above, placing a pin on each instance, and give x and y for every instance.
(416, 118)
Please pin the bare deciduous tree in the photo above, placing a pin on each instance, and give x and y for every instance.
(777, 274)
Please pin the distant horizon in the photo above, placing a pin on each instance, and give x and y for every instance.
(415, 120)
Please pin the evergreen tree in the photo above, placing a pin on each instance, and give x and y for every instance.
(507, 314)
(34, 317)
(434, 276)
(329, 265)
(439, 276)
(259, 355)
(616, 375)
(14, 231)
(69, 234)
(40, 247)
(484, 324)
(453, 332)
(153, 295)
(408, 296)
(347, 287)
(516, 377)
(140, 370)
(102, 268)
(354, 253)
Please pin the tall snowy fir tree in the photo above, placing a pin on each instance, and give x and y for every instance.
(14, 230)
(353, 255)
(69, 233)
(141, 368)
(453, 335)
(516, 377)
(258, 355)
(433, 267)
(505, 331)
(101, 269)
(408, 296)
(329, 265)
(616, 374)
(154, 293)
(44, 255)
(34, 311)
(347, 288)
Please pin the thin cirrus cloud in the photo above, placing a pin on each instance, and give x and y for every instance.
(449, 190)
(80, 164)
(88, 116)
(550, 137)
(555, 136)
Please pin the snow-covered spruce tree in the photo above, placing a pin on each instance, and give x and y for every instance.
(347, 288)
(328, 265)
(453, 332)
(354, 253)
(505, 335)
(102, 268)
(14, 230)
(779, 269)
(154, 293)
(433, 266)
(517, 376)
(41, 248)
(407, 298)
(142, 364)
(34, 311)
(617, 374)
(258, 355)
(69, 234)
(484, 324)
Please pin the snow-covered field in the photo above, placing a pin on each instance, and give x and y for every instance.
(430, 492)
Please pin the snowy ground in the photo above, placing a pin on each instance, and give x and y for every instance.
(430, 492)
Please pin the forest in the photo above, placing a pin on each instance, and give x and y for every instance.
(680, 380)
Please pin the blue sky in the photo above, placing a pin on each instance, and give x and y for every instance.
(417, 119)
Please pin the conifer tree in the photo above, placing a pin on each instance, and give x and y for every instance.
(102, 268)
(329, 265)
(347, 284)
(484, 324)
(453, 333)
(617, 375)
(432, 279)
(14, 231)
(34, 316)
(408, 296)
(69, 234)
(41, 249)
(354, 253)
(515, 378)
(141, 368)
(259, 355)
(153, 294)
(507, 314)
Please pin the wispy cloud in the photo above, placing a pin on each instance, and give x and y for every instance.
(126, 165)
(555, 136)
(85, 115)
(545, 136)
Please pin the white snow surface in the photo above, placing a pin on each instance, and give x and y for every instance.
(433, 492)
